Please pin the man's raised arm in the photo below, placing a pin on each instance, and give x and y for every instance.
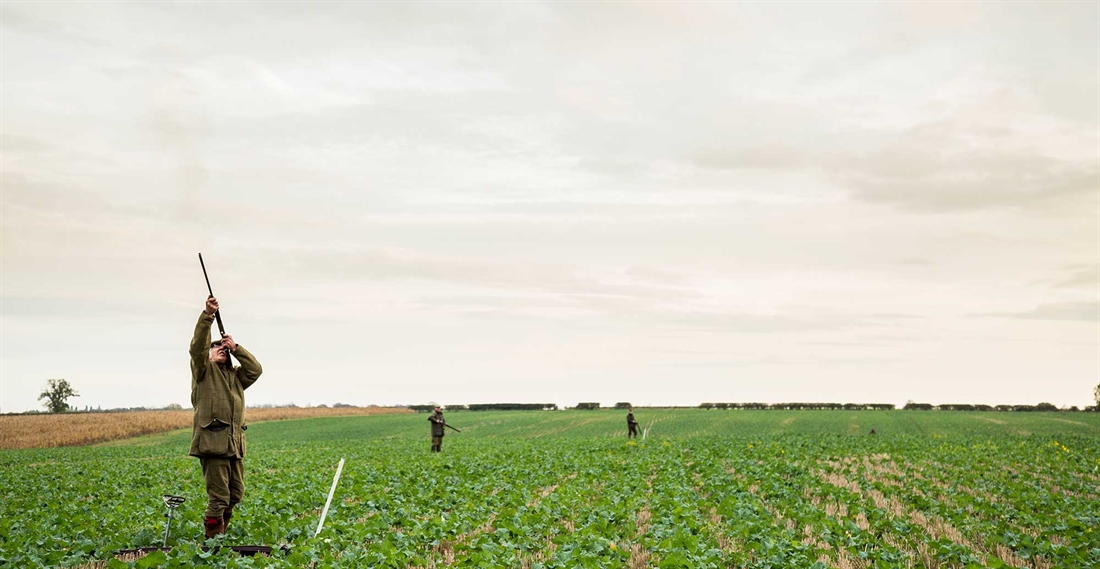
(250, 368)
(200, 341)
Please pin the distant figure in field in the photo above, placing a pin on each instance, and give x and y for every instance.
(217, 433)
(873, 431)
(437, 428)
(631, 424)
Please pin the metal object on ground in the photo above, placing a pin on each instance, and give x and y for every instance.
(335, 479)
(243, 550)
(172, 502)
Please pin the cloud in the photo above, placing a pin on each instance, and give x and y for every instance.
(656, 275)
(32, 23)
(23, 145)
(1082, 277)
(932, 168)
(508, 279)
(671, 311)
(763, 157)
(754, 323)
(952, 163)
(1065, 311)
(74, 309)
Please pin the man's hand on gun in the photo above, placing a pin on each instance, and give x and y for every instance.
(227, 341)
(211, 305)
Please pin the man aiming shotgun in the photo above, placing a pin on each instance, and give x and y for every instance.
(438, 423)
(217, 433)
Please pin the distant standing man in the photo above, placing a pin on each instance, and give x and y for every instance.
(437, 428)
(631, 424)
(217, 435)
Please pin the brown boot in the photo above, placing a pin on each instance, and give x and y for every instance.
(228, 515)
(213, 527)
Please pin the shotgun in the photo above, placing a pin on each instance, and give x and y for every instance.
(218, 313)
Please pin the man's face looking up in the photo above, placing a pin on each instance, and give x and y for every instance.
(219, 353)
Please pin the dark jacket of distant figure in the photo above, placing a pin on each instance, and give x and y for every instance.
(437, 423)
(630, 419)
(217, 394)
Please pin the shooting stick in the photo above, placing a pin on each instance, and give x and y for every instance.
(218, 313)
(172, 502)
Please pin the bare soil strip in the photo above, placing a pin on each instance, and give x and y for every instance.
(935, 526)
(639, 555)
(844, 559)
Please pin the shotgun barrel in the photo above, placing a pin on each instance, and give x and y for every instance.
(218, 313)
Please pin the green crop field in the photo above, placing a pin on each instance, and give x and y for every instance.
(566, 489)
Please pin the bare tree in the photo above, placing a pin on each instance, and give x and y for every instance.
(56, 393)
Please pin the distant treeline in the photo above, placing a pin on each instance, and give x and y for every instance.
(980, 407)
(591, 405)
(800, 406)
(890, 406)
(490, 407)
(178, 407)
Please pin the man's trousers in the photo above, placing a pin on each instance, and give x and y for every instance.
(224, 484)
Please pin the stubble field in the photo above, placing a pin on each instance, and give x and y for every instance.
(79, 429)
(566, 489)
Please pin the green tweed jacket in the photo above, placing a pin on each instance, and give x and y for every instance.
(437, 424)
(217, 394)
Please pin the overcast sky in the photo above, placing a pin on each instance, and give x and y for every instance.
(661, 203)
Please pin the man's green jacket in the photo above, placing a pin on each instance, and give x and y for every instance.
(217, 394)
(437, 424)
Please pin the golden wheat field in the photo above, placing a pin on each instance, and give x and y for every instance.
(77, 429)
